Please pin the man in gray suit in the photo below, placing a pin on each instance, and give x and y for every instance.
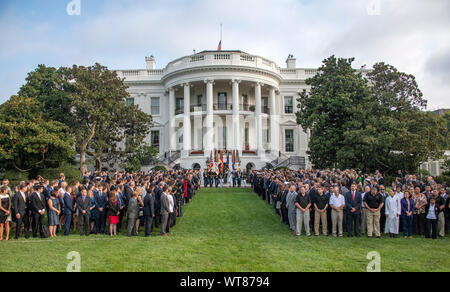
(290, 205)
(84, 210)
(165, 208)
(133, 213)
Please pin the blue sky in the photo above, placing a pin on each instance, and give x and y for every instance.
(412, 35)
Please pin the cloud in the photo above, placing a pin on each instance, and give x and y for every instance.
(411, 35)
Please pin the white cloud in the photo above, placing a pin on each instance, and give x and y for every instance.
(407, 34)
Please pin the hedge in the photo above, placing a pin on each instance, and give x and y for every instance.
(71, 172)
(14, 176)
(159, 168)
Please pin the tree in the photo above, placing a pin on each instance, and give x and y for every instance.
(336, 90)
(49, 86)
(29, 141)
(91, 102)
(368, 123)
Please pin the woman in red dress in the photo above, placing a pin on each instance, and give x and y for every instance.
(113, 212)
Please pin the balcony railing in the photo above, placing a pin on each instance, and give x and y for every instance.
(223, 107)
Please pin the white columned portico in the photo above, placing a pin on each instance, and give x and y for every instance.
(258, 119)
(274, 124)
(172, 136)
(187, 120)
(236, 131)
(209, 139)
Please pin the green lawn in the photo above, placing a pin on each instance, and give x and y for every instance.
(225, 230)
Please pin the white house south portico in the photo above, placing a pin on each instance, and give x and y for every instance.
(222, 100)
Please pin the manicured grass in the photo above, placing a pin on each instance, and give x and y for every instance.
(225, 230)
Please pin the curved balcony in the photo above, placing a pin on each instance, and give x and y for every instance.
(222, 107)
(222, 58)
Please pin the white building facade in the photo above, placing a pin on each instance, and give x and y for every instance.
(222, 100)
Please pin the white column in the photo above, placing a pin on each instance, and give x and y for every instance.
(172, 133)
(209, 118)
(187, 120)
(235, 142)
(258, 120)
(274, 124)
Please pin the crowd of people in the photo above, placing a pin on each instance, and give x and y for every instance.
(147, 200)
(228, 177)
(337, 202)
(320, 201)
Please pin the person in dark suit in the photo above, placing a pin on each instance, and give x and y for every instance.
(21, 206)
(157, 197)
(68, 209)
(38, 209)
(353, 202)
(149, 211)
(101, 200)
(84, 210)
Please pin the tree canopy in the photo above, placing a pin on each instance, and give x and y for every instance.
(91, 102)
(368, 122)
(28, 140)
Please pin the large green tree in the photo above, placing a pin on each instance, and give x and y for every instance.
(29, 141)
(91, 102)
(368, 122)
(328, 107)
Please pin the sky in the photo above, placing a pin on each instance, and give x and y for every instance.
(412, 35)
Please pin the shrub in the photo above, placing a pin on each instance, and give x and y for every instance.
(14, 176)
(71, 172)
(159, 167)
(442, 179)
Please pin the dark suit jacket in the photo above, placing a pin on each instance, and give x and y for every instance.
(84, 206)
(19, 205)
(68, 204)
(149, 205)
(350, 203)
(37, 202)
(157, 197)
(101, 200)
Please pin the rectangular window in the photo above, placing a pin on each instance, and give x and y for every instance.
(154, 140)
(246, 136)
(129, 101)
(179, 105)
(222, 101)
(155, 105)
(266, 137)
(289, 140)
(288, 104)
(245, 105)
(265, 104)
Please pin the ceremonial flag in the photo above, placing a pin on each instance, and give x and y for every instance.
(221, 161)
(219, 47)
(233, 158)
(210, 162)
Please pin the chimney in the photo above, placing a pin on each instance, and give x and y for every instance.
(151, 63)
(291, 62)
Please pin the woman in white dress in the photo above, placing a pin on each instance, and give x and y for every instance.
(393, 212)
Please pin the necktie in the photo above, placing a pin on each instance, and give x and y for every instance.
(353, 196)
